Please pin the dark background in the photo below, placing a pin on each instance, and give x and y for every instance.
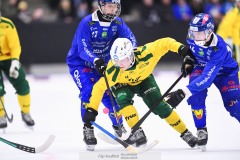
(49, 42)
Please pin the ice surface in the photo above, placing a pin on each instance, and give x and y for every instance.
(56, 110)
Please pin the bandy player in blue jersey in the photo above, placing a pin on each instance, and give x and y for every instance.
(90, 52)
(213, 65)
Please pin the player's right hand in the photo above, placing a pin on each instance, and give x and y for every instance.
(100, 65)
(187, 65)
(14, 68)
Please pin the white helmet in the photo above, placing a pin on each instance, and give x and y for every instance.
(122, 48)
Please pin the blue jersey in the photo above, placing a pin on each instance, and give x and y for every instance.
(93, 39)
(216, 59)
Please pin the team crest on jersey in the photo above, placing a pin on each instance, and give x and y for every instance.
(201, 53)
(215, 49)
(198, 113)
(104, 34)
(91, 23)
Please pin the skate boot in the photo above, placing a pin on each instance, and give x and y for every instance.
(27, 119)
(138, 138)
(3, 122)
(89, 138)
(202, 135)
(116, 131)
(189, 138)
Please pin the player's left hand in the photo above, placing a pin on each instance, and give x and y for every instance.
(174, 98)
(14, 69)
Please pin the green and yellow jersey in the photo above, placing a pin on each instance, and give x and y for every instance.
(9, 41)
(147, 57)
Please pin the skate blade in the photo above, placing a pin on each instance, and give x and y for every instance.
(3, 130)
(141, 146)
(29, 127)
(90, 147)
(203, 148)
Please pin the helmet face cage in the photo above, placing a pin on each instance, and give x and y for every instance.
(122, 48)
(201, 23)
(109, 17)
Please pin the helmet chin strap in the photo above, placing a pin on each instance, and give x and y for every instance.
(132, 62)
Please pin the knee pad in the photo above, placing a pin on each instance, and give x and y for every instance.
(198, 99)
(163, 110)
(22, 87)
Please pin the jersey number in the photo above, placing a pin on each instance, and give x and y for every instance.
(94, 34)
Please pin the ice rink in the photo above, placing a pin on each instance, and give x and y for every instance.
(56, 110)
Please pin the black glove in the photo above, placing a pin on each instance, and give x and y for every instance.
(187, 66)
(188, 60)
(184, 51)
(100, 66)
(175, 98)
(90, 115)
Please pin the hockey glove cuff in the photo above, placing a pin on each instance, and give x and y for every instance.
(14, 68)
(174, 98)
(90, 115)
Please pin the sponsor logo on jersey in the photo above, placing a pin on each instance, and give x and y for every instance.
(230, 88)
(232, 103)
(207, 77)
(104, 34)
(87, 70)
(201, 53)
(152, 89)
(131, 80)
(198, 113)
(76, 76)
(121, 96)
(143, 65)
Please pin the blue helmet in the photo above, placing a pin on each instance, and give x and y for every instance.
(201, 23)
(109, 17)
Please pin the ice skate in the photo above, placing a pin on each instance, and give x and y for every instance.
(28, 121)
(202, 135)
(3, 123)
(189, 138)
(89, 138)
(138, 138)
(116, 131)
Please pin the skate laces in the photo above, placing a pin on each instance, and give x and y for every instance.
(124, 129)
(89, 133)
(139, 134)
(187, 136)
(27, 117)
(3, 120)
(202, 134)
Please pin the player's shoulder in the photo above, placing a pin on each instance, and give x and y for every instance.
(8, 22)
(220, 40)
(190, 41)
(88, 20)
(118, 21)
